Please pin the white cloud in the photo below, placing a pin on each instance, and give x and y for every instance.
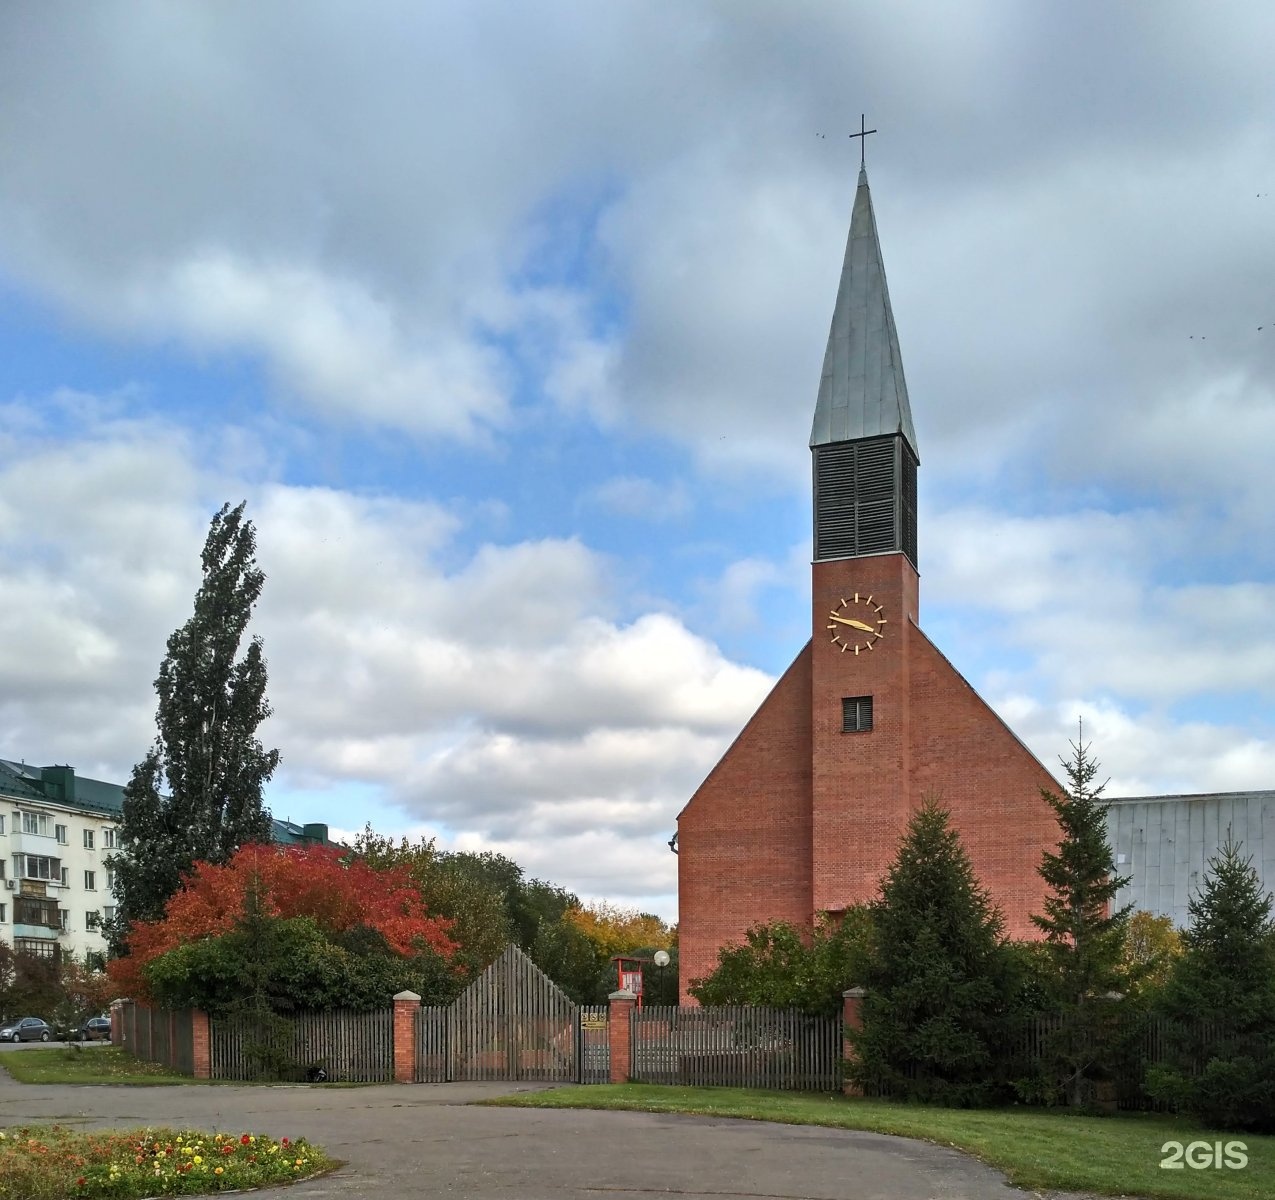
(640, 497)
(496, 699)
(331, 341)
(1140, 752)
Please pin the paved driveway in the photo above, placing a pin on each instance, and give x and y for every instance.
(423, 1141)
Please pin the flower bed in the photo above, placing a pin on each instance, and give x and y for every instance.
(56, 1163)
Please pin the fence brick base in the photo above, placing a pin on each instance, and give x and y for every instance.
(406, 1006)
(619, 1028)
(201, 1045)
(851, 1018)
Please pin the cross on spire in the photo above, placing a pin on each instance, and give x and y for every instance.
(863, 142)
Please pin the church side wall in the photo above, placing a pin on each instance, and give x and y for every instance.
(744, 838)
(967, 757)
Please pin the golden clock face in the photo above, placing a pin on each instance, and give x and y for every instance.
(856, 624)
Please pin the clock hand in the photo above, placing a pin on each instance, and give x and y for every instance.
(851, 622)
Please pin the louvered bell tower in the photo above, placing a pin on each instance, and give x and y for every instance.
(865, 582)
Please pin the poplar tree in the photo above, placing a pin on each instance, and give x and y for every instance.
(197, 794)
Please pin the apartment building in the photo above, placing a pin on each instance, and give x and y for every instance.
(57, 829)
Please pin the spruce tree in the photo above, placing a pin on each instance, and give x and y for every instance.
(940, 983)
(1084, 937)
(197, 793)
(1218, 1005)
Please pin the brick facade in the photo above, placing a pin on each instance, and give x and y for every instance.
(406, 1006)
(620, 1033)
(744, 840)
(800, 818)
(200, 1045)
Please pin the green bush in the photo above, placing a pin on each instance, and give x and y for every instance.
(293, 965)
(781, 966)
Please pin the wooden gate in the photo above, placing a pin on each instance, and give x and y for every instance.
(512, 1022)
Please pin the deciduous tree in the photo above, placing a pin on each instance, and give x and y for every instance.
(476, 907)
(1151, 946)
(196, 796)
(339, 891)
(781, 966)
(618, 930)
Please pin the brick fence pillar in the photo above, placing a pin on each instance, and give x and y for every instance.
(851, 1018)
(406, 1006)
(619, 1032)
(200, 1045)
(117, 1022)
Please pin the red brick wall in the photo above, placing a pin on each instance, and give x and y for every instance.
(406, 1006)
(967, 757)
(744, 838)
(201, 1045)
(860, 790)
(799, 817)
(620, 1033)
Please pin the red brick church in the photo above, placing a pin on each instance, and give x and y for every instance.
(804, 812)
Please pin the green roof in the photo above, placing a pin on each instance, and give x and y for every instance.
(22, 782)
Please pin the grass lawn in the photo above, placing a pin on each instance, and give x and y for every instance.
(101, 1064)
(1036, 1148)
(55, 1163)
(110, 1064)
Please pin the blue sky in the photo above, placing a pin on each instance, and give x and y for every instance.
(507, 323)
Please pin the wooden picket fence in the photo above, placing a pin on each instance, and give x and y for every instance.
(354, 1047)
(511, 1022)
(156, 1035)
(736, 1046)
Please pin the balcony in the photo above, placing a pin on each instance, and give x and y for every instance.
(29, 912)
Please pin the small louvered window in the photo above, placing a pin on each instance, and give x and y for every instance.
(856, 714)
(865, 498)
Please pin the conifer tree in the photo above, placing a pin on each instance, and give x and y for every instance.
(1218, 1006)
(1084, 937)
(197, 794)
(940, 984)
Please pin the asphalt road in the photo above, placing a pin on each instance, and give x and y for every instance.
(425, 1141)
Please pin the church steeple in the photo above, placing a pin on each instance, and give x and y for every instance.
(863, 440)
(862, 392)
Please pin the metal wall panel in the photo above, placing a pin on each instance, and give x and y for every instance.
(1167, 842)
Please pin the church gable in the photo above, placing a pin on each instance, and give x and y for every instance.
(967, 757)
(744, 837)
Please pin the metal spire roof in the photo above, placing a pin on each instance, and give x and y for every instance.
(862, 392)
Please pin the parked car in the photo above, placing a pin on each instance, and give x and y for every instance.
(95, 1029)
(28, 1029)
(91, 1029)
